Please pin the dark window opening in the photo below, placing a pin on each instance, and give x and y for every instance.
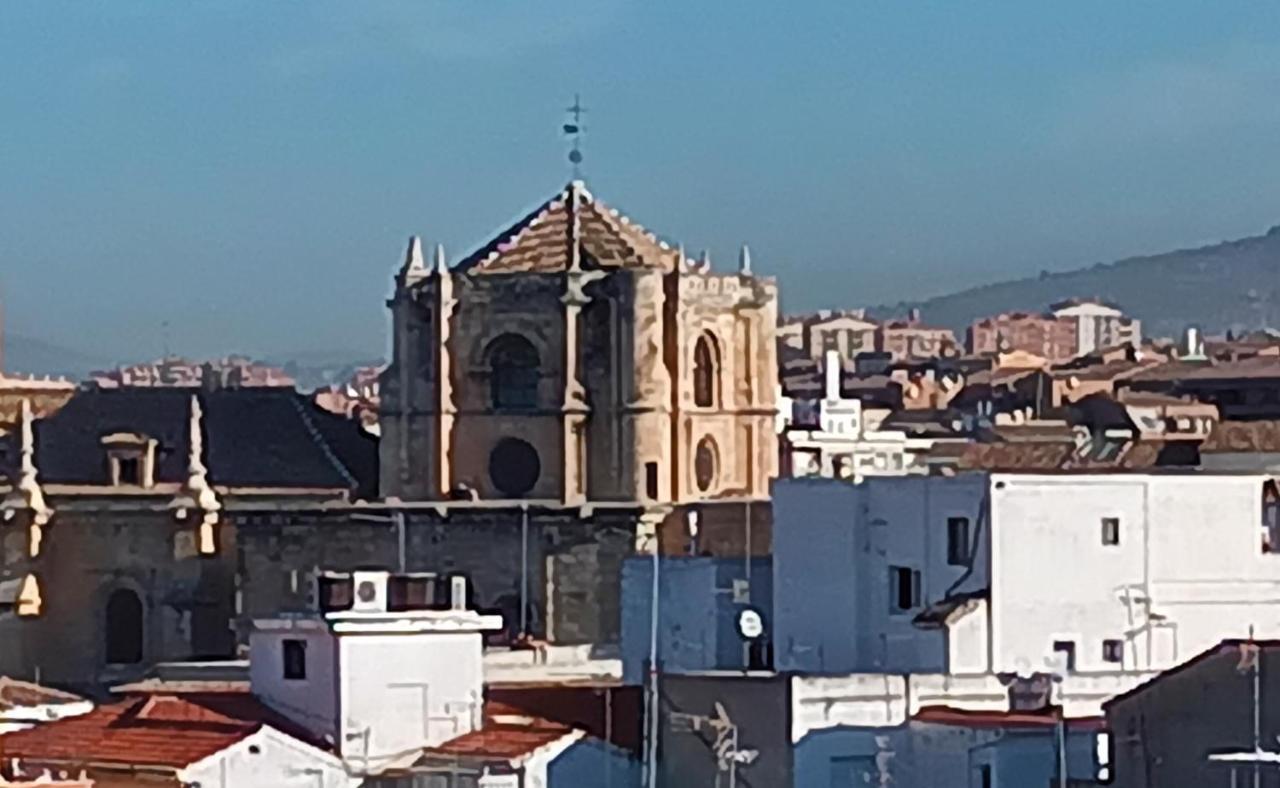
(124, 628)
(1113, 651)
(335, 592)
(1111, 530)
(513, 365)
(130, 470)
(904, 588)
(651, 480)
(1068, 649)
(958, 541)
(984, 776)
(294, 653)
(706, 461)
(514, 467)
(706, 371)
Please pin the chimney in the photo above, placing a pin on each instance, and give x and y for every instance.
(458, 592)
(1192, 345)
(832, 368)
(384, 669)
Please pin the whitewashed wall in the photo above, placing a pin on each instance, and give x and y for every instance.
(1189, 543)
(269, 759)
(313, 702)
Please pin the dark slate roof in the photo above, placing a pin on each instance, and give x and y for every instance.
(253, 437)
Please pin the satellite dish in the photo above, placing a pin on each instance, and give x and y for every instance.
(750, 624)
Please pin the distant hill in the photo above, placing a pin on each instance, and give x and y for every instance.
(1233, 285)
(27, 355)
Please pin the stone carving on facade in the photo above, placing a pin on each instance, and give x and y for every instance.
(27, 497)
(197, 496)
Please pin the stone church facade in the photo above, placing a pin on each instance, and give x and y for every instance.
(576, 358)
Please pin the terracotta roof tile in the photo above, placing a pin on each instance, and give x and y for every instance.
(508, 733)
(540, 242)
(15, 693)
(150, 730)
(945, 715)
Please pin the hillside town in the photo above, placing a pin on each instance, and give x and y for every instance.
(608, 517)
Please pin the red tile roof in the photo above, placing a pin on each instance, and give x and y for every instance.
(149, 730)
(540, 242)
(508, 733)
(15, 694)
(945, 715)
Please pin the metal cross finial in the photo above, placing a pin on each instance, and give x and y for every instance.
(574, 129)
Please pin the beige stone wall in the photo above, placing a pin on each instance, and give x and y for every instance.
(627, 337)
(91, 548)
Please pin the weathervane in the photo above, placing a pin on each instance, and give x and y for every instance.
(573, 130)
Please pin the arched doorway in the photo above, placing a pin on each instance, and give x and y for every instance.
(124, 628)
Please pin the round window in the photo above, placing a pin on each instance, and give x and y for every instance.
(706, 460)
(514, 467)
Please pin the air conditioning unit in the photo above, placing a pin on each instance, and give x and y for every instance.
(369, 592)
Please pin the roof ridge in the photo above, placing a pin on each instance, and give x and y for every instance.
(321, 443)
(492, 248)
(628, 230)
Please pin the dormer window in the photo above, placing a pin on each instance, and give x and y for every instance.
(130, 459)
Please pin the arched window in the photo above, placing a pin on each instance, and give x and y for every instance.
(124, 628)
(513, 366)
(706, 371)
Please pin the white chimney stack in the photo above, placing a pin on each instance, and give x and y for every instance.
(832, 367)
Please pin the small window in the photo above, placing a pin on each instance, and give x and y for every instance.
(651, 480)
(904, 588)
(1113, 651)
(130, 470)
(1111, 530)
(1067, 648)
(958, 541)
(984, 776)
(295, 659)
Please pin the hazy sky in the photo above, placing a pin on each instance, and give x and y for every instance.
(249, 171)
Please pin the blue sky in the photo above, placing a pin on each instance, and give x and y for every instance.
(248, 172)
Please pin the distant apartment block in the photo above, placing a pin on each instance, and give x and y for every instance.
(179, 372)
(1072, 328)
(911, 339)
(1098, 325)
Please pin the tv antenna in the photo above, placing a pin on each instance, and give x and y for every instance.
(573, 129)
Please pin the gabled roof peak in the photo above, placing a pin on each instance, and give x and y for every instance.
(571, 228)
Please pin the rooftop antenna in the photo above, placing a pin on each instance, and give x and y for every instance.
(573, 129)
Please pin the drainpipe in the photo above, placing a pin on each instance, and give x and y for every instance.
(524, 568)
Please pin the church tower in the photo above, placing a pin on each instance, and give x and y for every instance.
(577, 358)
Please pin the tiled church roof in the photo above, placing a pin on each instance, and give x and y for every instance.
(253, 437)
(541, 242)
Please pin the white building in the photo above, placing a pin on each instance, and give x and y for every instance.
(836, 438)
(384, 687)
(1098, 325)
(1099, 576)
